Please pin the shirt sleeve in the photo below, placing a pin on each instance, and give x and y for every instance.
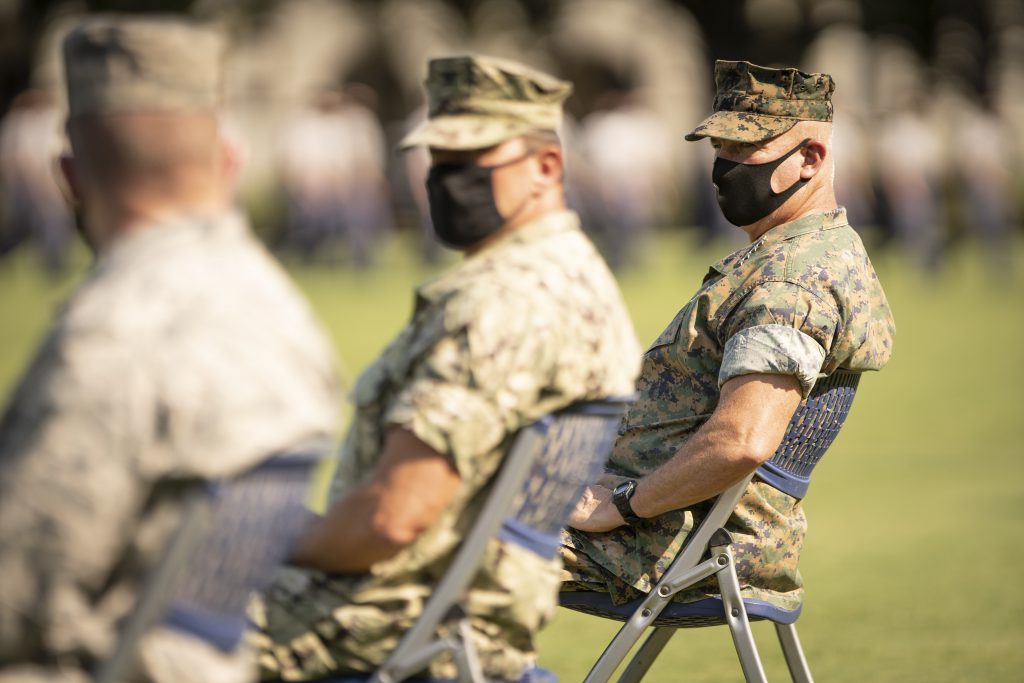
(779, 328)
(476, 386)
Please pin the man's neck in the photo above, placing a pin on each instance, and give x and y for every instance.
(119, 219)
(819, 200)
(541, 209)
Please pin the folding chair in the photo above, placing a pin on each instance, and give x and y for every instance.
(707, 552)
(232, 536)
(544, 474)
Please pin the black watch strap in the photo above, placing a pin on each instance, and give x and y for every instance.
(620, 496)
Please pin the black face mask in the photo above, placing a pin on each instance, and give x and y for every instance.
(462, 206)
(745, 190)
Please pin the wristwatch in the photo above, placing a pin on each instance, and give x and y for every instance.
(620, 496)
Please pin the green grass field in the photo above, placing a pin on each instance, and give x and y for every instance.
(914, 558)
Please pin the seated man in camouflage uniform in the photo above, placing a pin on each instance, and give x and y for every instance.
(185, 354)
(720, 384)
(531, 320)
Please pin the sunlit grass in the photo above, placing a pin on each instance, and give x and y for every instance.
(914, 543)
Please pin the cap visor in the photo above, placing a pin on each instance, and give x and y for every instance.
(741, 127)
(464, 132)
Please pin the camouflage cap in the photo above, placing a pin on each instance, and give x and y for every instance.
(116, 63)
(477, 102)
(754, 103)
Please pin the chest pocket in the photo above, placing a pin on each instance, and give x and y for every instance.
(677, 370)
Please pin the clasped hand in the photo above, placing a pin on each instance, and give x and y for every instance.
(595, 511)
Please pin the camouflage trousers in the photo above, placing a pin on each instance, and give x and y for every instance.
(310, 624)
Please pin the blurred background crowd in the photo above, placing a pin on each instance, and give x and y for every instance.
(929, 132)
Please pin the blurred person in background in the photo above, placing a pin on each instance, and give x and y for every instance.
(34, 208)
(332, 162)
(530, 321)
(982, 174)
(415, 166)
(626, 147)
(719, 386)
(185, 354)
(909, 165)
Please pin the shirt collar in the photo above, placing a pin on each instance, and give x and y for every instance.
(541, 228)
(822, 220)
(160, 237)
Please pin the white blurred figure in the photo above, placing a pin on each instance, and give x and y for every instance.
(332, 164)
(34, 207)
(415, 165)
(909, 162)
(842, 48)
(628, 150)
(983, 175)
(854, 182)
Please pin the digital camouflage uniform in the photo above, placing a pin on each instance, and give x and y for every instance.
(184, 354)
(531, 323)
(802, 300)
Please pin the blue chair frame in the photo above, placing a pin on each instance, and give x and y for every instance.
(812, 429)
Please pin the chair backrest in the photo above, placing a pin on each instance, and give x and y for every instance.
(575, 446)
(540, 480)
(812, 429)
(233, 535)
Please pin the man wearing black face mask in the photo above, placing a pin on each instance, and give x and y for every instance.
(530, 321)
(720, 384)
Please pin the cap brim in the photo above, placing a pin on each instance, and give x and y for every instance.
(741, 127)
(462, 132)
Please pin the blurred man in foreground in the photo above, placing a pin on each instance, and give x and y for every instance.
(530, 321)
(720, 384)
(185, 354)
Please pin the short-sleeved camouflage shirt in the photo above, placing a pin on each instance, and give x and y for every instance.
(802, 299)
(532, 323)
(186, 353)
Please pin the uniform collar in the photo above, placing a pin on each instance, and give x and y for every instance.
(822, 220)
(161, 236)
(536, 230)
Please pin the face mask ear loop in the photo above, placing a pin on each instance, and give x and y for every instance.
(526, 200)
(782, 160)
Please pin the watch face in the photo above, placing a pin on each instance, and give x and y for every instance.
(624, 489)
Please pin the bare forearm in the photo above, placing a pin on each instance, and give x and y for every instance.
(345, 540)
(742, 433)
(704, 467)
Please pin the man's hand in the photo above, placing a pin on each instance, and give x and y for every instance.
(595, 511)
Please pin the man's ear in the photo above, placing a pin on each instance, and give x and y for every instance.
(814, 153)
(65, 176)
(549, 166)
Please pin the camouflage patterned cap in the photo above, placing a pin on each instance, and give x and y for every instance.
(117, 63)
(478, 102)
(754, 103)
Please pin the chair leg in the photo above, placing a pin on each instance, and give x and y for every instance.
(736, 616)
(795, 660)
(641, 662)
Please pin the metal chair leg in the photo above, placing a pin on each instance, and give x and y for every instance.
(736, 614)
(795, 660)
(641, 662)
